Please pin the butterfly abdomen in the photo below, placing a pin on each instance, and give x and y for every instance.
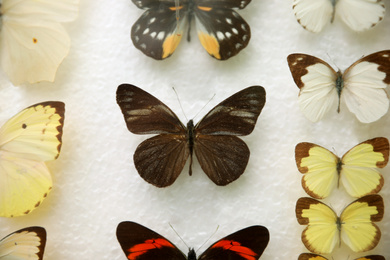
(190, 137)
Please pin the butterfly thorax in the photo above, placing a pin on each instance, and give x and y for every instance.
(190, 138)
(339, 87)
(191, 253)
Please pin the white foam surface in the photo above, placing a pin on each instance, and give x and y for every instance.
(96, 185)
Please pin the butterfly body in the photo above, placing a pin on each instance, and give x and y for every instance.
(222, 155)
(141, 243)
(222, 32)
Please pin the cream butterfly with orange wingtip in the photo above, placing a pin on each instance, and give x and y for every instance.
(356, 170)
(355, 226)
(24, 244)
(308, 256)
(27, 140)
(359, 15)
(33, 42)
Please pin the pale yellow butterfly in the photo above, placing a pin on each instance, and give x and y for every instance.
(27, 140)
(33, 42)
(354, 227)
(24, 244)
(357, 169)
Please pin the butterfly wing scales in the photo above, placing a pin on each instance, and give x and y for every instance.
(245, 244)
(141, 243)
(313, 15)
(27, 244)
(358, 230)
(319, 167)
(308, 256)
(321, 234)
(359, 174)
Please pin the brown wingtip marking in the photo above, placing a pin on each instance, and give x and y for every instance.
(302, 204)
(380, 145)
(302, 151)
(374, 201)
(382, 58)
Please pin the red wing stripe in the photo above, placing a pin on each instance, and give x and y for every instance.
(149, 244)
(235, 246)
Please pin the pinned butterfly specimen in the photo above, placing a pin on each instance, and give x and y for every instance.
(221, 30)
(359, 15)
(33, 42)
(354, 227)
(307, 256)
(25, 244)
(221, 154)
(27, 140)
(141, 243)
(357, 169)
(361, 86)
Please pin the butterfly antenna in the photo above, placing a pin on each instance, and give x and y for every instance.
(205, 105)
(179, 235)
(178, 99)
(208, 239)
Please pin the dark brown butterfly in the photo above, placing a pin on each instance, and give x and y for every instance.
(141, 243)
(221, 154)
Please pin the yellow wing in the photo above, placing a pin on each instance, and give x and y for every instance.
(358, 230)
(321, 234)
(27, 140)
(359, 174)
(319, 167)
(308, 256)
(27, 244)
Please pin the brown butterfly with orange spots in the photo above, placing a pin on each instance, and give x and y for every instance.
(141, 243)
(221, 30)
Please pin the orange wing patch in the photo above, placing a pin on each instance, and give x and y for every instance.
(235, 246)
(170, 44)
(210, 43)
(149, 244)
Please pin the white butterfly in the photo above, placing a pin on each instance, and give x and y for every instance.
(33, 43)
(25, 244)
(27, 140)
(361, 86)
(359, 15)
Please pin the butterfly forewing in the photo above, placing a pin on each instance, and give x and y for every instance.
(236, 115)
(27, 244)
(145, 114)
(245, 244)
(223, 3)
(141, 243)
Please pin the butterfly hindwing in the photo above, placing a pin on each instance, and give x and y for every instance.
(141, 243)
(27, 244)
(313, 15)
(27, 140)
(308, 256)
(354, 226)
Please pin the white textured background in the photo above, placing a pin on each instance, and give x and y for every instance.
(95, 183)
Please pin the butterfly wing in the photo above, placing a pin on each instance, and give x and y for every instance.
(25, 244)
(359, 173)
(358, 230)
(321, 234)
(33, 42)
(158, 32)
(160, 159)
(308, 256)
(364, 86)
(372, 257)
(313, 15)
(221, 30)
(27, 140)
(141, 243)
(319, 167)
(222, 155)
(246, 244)
(317, 83)
(361, 15)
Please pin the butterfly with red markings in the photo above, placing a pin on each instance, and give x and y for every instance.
(221, 30)
(222, 155)
(141, 243)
